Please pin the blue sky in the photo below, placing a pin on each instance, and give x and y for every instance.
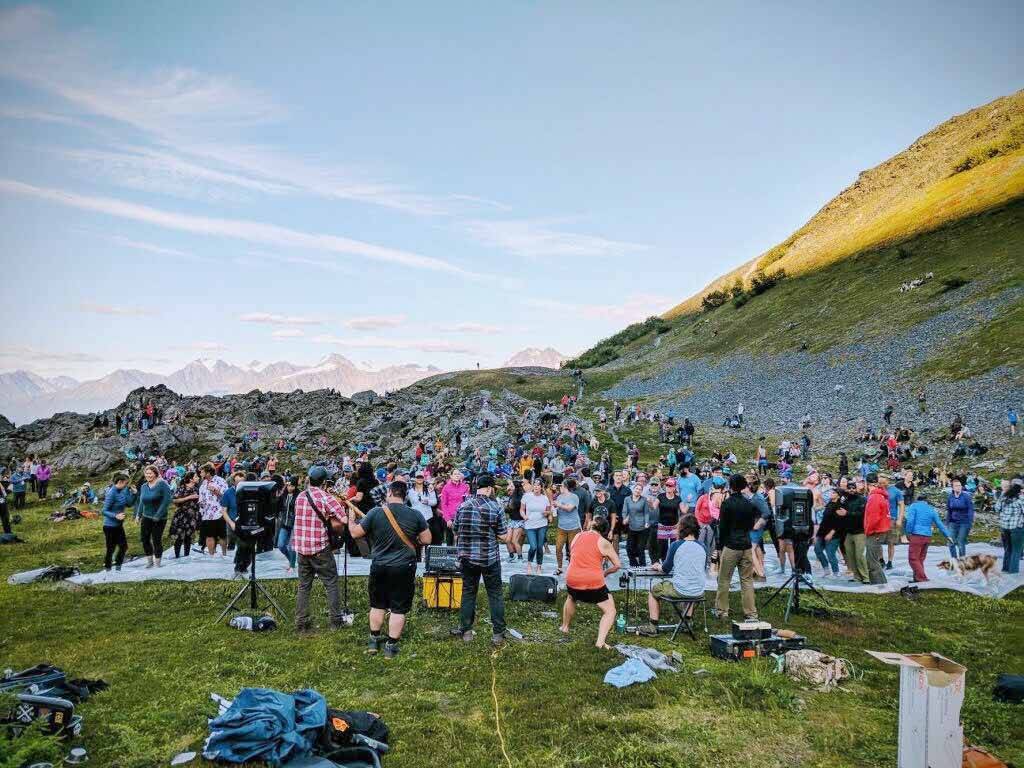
(440, 183)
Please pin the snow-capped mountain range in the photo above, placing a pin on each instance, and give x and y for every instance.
(533, 357)
(25, 396)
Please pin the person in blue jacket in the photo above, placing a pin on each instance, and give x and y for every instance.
(18, 480)
(960, 516)
(154, 500)
(919, 519)
(118, 497)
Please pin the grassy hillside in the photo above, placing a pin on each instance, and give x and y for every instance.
(971, 163)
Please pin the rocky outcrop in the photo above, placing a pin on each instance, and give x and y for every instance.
(5, 425)
(211, 425)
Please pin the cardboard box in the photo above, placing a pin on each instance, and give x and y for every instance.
(931, 694)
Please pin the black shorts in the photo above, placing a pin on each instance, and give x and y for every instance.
(213, 529)
(592, 596)
(392, 588)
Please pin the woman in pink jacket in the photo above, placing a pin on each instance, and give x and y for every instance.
(43, 474)
(452, 495)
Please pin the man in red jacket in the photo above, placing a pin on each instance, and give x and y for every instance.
(877, 523)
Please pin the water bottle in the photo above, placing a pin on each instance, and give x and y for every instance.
(620, 624)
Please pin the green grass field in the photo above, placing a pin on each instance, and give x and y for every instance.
(157, 646)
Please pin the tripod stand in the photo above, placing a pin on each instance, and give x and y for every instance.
(793, 585)
(347, 617)
(252, 586)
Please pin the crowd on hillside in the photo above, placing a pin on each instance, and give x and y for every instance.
(676, 511)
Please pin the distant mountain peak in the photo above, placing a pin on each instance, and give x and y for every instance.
(534, 357)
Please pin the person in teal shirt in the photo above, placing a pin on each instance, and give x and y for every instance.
(117, 498)
(919, 519)
(154, 500)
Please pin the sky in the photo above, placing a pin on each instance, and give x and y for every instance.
(434, 183)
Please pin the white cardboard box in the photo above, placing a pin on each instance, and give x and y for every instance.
(931, 694)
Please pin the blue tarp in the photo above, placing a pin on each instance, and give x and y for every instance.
(262, 724)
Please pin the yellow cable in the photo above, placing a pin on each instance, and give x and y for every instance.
(497, 713)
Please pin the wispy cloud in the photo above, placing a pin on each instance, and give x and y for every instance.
(288, 333)
(39, 116)
(167, 173)
(110, 309)
(374, 322)
(480, 328)
(537, 238)
(33, 355)
(140, 245)
(240, 229)
(194, 116)
(275, 319)
(407, 345)
(630, 308)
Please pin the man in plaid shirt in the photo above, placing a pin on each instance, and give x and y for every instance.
(311, 543)
(479, 525)
(1010, 508)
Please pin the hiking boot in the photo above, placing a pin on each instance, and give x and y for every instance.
(462, 634)
(390, 650)
(888, 566)
(149, 561)
(647, 630)
(374, 644)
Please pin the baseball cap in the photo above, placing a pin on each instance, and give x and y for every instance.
(670, 483)
(600, 489)
(485, 481)
(419, 473)
(317, 474)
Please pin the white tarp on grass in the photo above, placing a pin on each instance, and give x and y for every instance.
(273, 565)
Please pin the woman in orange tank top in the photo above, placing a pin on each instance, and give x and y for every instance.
(585, 579)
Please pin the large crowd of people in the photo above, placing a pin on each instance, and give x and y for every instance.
(685, 515)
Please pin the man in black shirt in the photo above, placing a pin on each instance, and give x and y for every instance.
(851, 509)
(736, 521)
(617, 494)
(602, 507)
(392, 529)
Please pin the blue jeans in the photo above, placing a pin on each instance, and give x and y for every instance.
(826, 552)
(1013, 547)
(960, 533)
(284, 540)
(536, 537)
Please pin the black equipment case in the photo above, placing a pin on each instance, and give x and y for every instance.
(542, 589)
(731, 649)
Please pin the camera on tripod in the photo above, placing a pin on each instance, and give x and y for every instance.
(256, 508)
(794, 508)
